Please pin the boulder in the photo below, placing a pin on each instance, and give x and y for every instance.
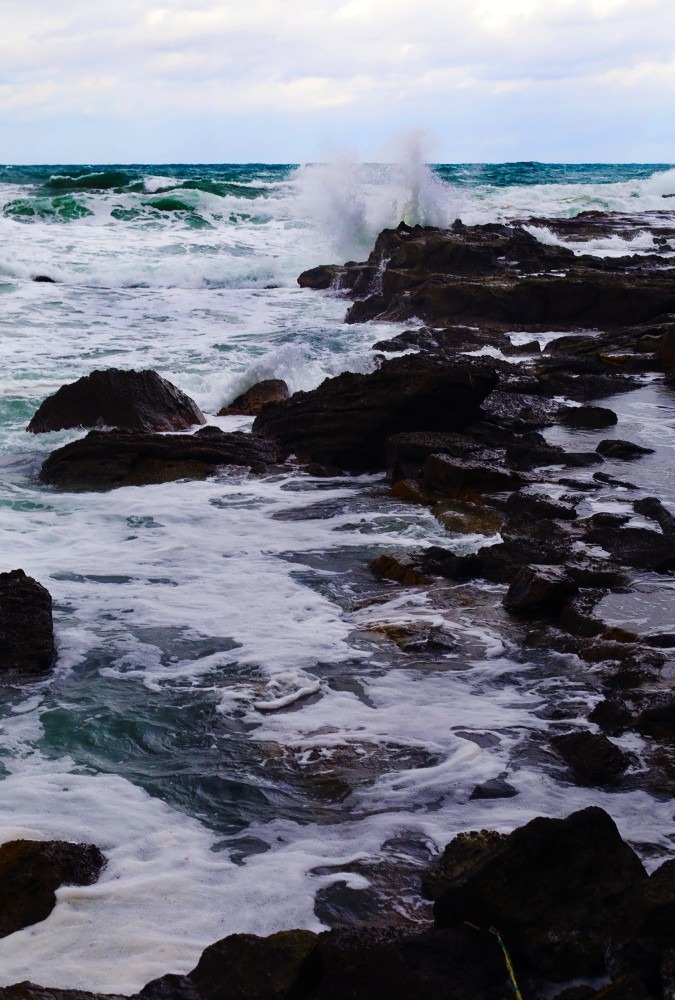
(389, 568)
(30, 873)
(250, 403)
(636, 547)
(406, 453)
(554, 889)
(539, 589)
(625, 450)
(104, 460)
(593, 759)
(346, 420)
(482, 472)
(128, 400)
(590, 417)
(26, 628)
(652, 508)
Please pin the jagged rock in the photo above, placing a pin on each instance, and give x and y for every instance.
(539, 505)
(652, 508)
(626, 450)
(658, 720)
(626, 988)
(104, 460)
(587, 416)
(250, 403)
(611, 716)
(647, 933)
(406, 453)
(520, 411)
(637, 547)
(128, 400)
(30, 873)
(26, 628)
(593, 759)
(554, 889)
(321, 277)
(539, 588)
(346, 420)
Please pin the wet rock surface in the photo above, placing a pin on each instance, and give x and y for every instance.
(30, 873)
(104, 460)
(128, 400)
(346, 420)
(27, 646)
(249, 403)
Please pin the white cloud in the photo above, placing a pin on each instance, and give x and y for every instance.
(375, 58)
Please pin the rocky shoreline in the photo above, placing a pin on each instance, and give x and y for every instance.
(457, 426)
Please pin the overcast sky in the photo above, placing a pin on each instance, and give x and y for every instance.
(294, 80)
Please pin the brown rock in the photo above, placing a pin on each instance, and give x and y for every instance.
(390, 568)
(128, 400)
(539, 588)
(593, 759)
(250, 403)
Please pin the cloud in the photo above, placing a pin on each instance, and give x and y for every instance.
(136, 60)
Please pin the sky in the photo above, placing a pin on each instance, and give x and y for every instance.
(292, 81)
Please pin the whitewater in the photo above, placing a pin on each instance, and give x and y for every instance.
(227, 720)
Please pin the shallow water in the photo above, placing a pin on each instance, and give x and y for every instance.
(228, 719)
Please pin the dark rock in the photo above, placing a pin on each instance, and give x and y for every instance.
(247, 967)
(441, 562)
(538, 589)
(250, 403)
(390, 568)
(626, 988)
(587, 416)
(467, 477)
(603, 477)
(346, 420)
(494, 788)
(407, 452)
(406, 341)
(611, 716)
(648, 930)
(530, 540)
(636, 547)
(30, 873)
(593, 759)
(666, 350)
(455, 964)
(554, 889)
(539, 505)
(322, 277)
(461, 855)
(44, 278)
(128, 400)
(104, 460)
(520, 411)
(26, 627)
(654, 509)
(614, 448)
(658, 721)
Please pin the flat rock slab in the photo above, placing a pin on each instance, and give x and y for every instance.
(31, 872)
(128, 400)
(26, 626)
(102, 461)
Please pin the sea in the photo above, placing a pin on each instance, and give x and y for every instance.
(229, 719)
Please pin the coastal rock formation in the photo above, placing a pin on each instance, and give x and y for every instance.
(103, 460)
(128, 400)
(27, 645)
(30, 873)
(346, 420)
(250, 403)
(556, 890)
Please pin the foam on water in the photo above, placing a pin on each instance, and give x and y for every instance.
(217, 639)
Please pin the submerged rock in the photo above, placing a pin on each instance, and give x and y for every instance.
(104, 460)
(128, 400)
(26, 628)
(30, 873)
(346, 420)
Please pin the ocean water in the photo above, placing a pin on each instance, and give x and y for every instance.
(227, 720)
